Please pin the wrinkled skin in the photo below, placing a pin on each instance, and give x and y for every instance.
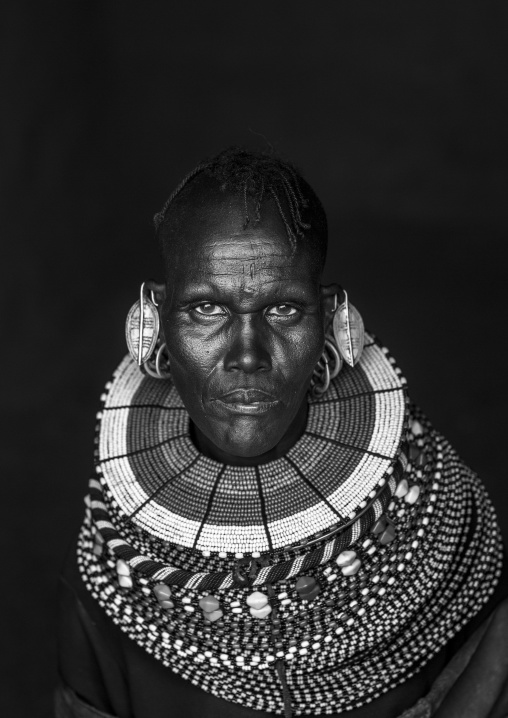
(244, 322)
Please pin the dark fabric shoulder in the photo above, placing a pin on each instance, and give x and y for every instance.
(112, 674)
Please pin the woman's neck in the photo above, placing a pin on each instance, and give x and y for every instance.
(294, 432)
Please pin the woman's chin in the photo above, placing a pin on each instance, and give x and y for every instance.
(248, 446)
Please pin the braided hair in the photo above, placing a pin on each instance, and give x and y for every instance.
(259, 176)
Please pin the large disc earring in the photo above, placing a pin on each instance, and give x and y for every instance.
(142, 335)
(348, 331)
(142, 328)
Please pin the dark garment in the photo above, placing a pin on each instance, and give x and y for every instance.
(103, 668)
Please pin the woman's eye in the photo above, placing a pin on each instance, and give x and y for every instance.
(209, 310)
(282, 310)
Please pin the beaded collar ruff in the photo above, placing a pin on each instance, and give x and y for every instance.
(311, 584)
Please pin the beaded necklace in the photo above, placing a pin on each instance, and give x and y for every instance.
(337, 571)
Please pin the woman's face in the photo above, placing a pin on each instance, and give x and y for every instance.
(243, 323)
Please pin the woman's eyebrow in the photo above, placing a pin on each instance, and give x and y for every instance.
(277, 293)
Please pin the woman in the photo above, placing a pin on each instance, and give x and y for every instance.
(272, 527)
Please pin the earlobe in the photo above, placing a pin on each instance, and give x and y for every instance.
(330, 295)
(158, 290)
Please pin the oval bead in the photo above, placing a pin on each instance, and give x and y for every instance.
(312, 594)
(98, 546)
(257, 600)
(122, 568)
(353, 568)
(380, 525)
(416, 428)
(209, 604)
(402, 488)
(304, 585)
(388, 535)
(166, 603)
(162, 592)
(412, 495)
(261, 612)
(125, 581)
(345, 558)
(214, 615)
(414, 452)
(422, 460)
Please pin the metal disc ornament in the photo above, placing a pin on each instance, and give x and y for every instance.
(142, 328)
(348, 331)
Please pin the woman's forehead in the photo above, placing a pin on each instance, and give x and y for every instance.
(253, 265)
(214, 239)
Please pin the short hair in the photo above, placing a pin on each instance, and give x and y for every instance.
(260, 176)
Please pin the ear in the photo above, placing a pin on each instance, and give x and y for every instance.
(158, 289)
(328, 301)
(159, 294)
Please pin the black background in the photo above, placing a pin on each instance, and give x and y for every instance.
(397, 115)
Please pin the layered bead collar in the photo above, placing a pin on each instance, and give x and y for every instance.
(160, 482)
(342, 567)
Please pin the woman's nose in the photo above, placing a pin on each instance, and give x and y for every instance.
(248, 351)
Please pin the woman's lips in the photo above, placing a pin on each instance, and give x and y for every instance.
(247, 401)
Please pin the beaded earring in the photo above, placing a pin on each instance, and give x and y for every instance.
(142, 336)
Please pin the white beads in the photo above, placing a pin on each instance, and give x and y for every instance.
(122, 568)
(259, 605)
(257, 600)
(353, 568)
(402, 488)
(416, 428)
(348, 563)
(211, 608)
(412, 495)
(345, 558)
(124, 574)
